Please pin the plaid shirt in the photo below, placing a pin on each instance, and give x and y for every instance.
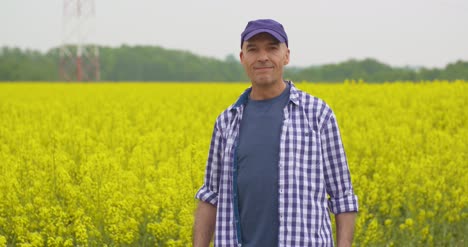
(313, 173)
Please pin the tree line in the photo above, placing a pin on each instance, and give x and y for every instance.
(154, 63)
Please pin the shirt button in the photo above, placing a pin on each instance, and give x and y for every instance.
(281, 191)
(239, 245)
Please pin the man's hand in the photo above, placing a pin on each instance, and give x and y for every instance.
(205, 220)
(345, 228)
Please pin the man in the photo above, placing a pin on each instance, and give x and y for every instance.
(276, 164)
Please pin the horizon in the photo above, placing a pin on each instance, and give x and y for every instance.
(289, 66)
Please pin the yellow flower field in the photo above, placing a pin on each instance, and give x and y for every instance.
(118, 164)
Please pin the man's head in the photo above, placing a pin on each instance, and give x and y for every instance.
(264, 52)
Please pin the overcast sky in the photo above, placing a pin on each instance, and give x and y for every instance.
(428, 33)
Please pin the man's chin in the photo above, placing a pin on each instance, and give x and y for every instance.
(263, 81)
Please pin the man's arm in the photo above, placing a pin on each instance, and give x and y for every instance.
(204, 226)
(205, 215)
(345, 228)
(343, 202)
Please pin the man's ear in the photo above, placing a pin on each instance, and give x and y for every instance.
(286, 61)
(241, 56)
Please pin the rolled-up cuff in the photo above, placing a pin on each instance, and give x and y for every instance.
(343, 204)
(206, 195)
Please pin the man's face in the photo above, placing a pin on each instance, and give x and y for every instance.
(263, 58)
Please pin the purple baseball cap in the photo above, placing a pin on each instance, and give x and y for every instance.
(264, 26)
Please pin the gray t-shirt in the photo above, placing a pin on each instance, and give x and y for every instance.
(257, 181)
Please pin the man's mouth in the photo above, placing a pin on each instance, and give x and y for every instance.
(263, 68)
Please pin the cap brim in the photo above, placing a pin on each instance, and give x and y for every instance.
(278, 36)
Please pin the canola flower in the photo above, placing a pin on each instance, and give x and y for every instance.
(118, 164)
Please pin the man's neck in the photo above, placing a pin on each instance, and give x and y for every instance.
(267, 92)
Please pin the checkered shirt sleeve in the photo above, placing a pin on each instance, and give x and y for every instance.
(209, 190)
(336, 171)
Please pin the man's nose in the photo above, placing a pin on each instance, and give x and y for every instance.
(262, 56)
